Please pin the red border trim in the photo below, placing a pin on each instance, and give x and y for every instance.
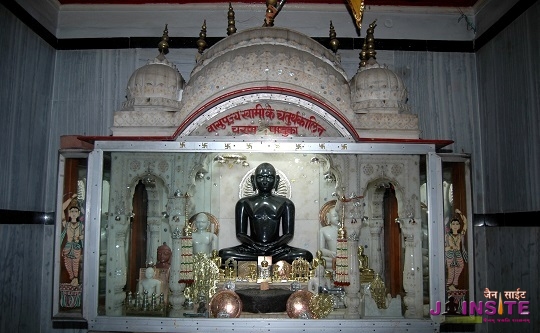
(267, 89)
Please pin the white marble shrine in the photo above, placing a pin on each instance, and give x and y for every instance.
(276, 85)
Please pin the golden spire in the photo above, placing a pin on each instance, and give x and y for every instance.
(368, 49)
(363, 54)
(334, 42)
(201, 42)
(163, 45)
(370, 39)
(231, 28)
(272, 10)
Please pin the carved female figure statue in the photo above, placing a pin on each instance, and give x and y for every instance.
(73, 232)
(454, 249)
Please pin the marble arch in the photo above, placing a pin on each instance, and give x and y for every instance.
(337, 124)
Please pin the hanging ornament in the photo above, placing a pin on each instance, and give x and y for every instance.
(186, 251)
(342, 261)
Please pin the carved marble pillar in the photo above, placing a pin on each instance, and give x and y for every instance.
(116, 266)
(154, 238)
(352, 297)
(412, 268)
(176, 298)
(375, 256)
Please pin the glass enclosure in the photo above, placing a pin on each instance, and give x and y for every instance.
(159, 214)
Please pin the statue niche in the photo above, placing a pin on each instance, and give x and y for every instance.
(144, 236)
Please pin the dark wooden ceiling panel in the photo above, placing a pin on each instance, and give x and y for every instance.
(428, 3)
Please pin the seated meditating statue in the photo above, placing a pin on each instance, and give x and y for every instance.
(149, 283)
(319, 278)
(264, 214)
(318, 260)
(366, 273)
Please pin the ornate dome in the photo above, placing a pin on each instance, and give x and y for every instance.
(268, 57)
(270, 67)
(156, 86)
(158, 83)
(378, 89)
(374, 88)
(379, 98)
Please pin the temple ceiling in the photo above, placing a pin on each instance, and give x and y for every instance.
(428, 3)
